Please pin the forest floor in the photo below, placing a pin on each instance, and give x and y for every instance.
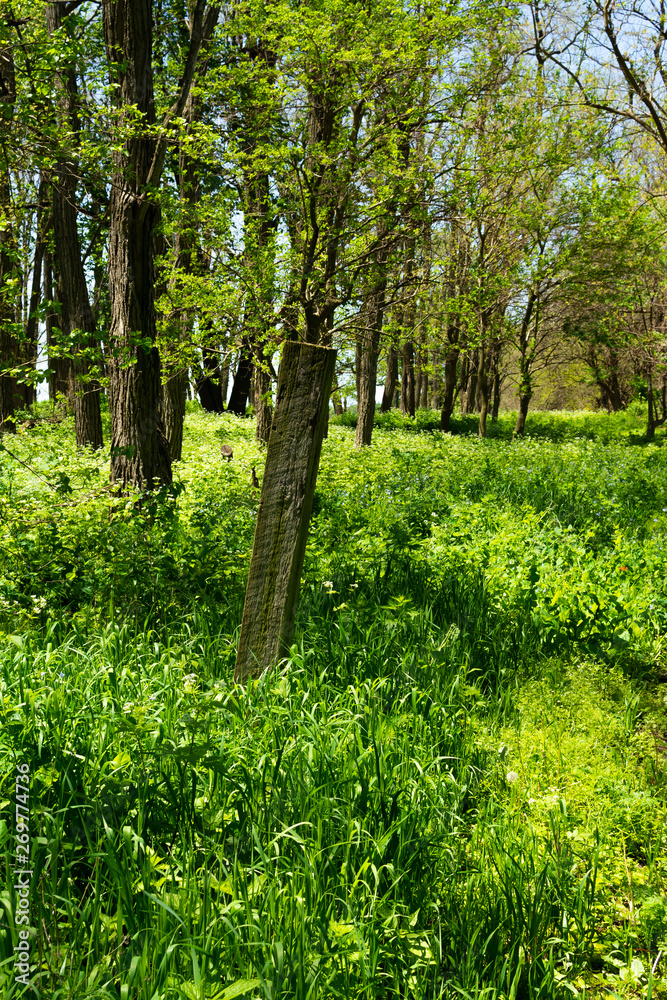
(454, 787)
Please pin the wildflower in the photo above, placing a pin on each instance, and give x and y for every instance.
(190, 683)
(511, 777)
(328, 584)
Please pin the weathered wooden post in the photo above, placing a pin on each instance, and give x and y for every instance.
(286, 502)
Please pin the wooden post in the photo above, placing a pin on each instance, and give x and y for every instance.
(286, 502)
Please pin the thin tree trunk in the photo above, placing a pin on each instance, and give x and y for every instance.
(524, 403)
(422, 355)
(449, 388)
(495, 378)
(238, 400)
(465, 367)
(224, 376)
(651, 420)
(436, 381)
(370, 350)
(290, 474)
(483, 386)
(263, 408)
(76, 317)
(188, 262)
(408, 379)
(209, 383)
(173, 412)
(31, 333)
(49, 322)
(526, 363)
(366, 397)
(391, 379)
(471, 394)
(10, 397)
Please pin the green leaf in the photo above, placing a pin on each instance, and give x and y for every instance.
(239, 988)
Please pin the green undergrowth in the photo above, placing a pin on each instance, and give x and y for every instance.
(453, 787)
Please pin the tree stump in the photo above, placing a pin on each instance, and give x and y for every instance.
(285, 506)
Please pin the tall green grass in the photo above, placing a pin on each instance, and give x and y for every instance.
(453, 787)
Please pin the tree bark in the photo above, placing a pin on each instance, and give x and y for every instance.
(436, 381)
(471, 393)
(449, 388)
(421, 391)
(368, 370)
(188, 262)
(370, 351)
(391, 380)
(173, 412)
(76, 316)
(238, 400)
(209, 383)
(58, 381)
(140, 453)
(526, 358)
(10, 396)
(495, 380)
(263, 408)
(292, 461)
(408, 379)
(31, 333)
(139, 449)
(483, 388)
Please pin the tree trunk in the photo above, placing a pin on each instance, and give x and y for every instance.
(50, 320)
(366, 398)
(337, 405)
(436, 381)
(292, 461)
(224, 376)
(524, 403)
(76, 315)
(263, 408)
(527, 356)
(209, 383)
(471, 394)
(465, 365)
(173, 412)
(449, 388)
(495, 378)
(370, 352)
(422, 394)
(188, 262)
(651, 419)
(391, 379)
(241, 388)
(483, 386)
(10, 396)
(31, 332)
(139, 449)
(408, 379)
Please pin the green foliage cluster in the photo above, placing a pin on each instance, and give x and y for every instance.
(454, 787)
